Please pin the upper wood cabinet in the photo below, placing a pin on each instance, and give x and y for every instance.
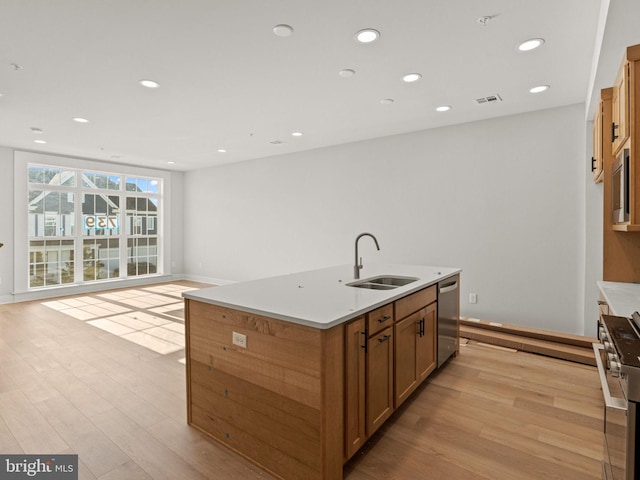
(625, 137)
(620, 251)
(620, 122)
(598, 136)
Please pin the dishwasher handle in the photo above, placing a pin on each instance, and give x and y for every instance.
(449, 287)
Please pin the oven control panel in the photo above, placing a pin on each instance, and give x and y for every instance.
(621, 340)
(610, 354)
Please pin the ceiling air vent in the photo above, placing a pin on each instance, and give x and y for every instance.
(489, 99)
(276, 142)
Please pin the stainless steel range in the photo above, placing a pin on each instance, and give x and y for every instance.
(618, 359)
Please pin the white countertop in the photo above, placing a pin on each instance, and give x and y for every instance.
(623, 298)
(318, 298)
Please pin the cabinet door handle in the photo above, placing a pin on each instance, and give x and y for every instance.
(613, 131)
(366, 341)
(593, 164)
(384, 339)
(422, 327)
(384, 319)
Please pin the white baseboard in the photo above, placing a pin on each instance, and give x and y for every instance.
(110, 285)
(86, 288)
(6, 299)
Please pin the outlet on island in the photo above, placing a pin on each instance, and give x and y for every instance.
(239, 339)
(473, 298)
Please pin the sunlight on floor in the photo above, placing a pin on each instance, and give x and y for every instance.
(152, 316)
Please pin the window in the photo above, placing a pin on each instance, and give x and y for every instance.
(142, 256)
(78, 214)
(100, 259)
(51, 262)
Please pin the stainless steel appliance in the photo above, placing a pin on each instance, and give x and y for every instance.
(621, 187)
(618, 360)
(448, 315)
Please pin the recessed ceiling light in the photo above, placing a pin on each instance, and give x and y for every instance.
(386, 101)
(296, 134)
(411, 77)
(80, 120)
(530, 44)
(443, 108)
(539, 88)
(368, 35)
(149, 83)
(347, 72)
(171, 163)
(222, 150)
(283, 30)
(39, 141)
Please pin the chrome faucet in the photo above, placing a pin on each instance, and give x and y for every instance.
(358, 266)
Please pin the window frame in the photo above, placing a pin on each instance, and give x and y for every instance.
(22, 236)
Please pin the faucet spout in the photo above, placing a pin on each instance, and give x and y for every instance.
(358, 265)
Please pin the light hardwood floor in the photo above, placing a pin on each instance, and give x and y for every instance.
(69, 386)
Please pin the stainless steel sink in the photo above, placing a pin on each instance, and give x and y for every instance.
(382, 282)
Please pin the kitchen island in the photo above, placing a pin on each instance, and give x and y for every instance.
(295, 372)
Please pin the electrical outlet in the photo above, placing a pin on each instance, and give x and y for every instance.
(239, 339)
(473, 298)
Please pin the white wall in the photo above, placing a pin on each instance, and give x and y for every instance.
(6, 223)
(593, 211)
(502, 198)
(176, 227)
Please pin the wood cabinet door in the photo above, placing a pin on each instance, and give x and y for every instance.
(620, 130)
(354, 388)
(597, 160)
(379, 400)
(405, 379)
(426, 343)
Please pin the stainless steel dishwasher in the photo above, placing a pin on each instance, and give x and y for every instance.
(448, 314)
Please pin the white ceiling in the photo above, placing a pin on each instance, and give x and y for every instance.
(226, 81)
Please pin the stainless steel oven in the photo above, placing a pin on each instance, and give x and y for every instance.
(618, 361)
(621, 187)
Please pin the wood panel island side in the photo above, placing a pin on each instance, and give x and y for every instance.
(296, 372)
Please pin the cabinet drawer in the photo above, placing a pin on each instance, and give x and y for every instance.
(379, 319)
(414, 302)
